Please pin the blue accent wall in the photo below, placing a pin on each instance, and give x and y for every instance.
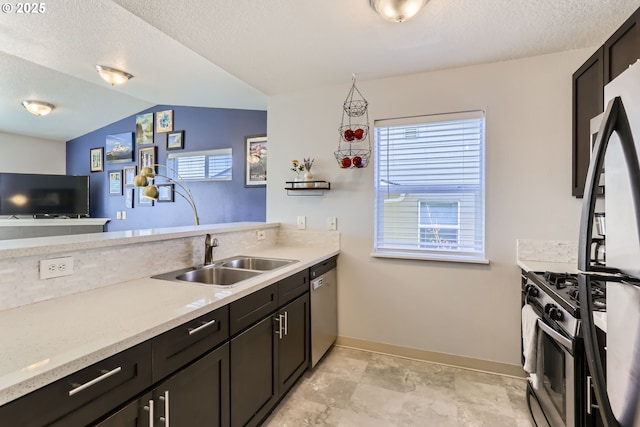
(204, 128)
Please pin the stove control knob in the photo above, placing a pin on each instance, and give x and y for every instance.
(531, 291)
(553, 311)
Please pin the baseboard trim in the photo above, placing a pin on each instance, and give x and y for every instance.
(434, 357)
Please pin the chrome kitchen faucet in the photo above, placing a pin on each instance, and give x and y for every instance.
(209, 244)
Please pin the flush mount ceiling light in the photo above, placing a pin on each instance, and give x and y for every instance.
(397, 10)
(38, 108)
(112, 75)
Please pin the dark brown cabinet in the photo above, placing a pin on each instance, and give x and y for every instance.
(293, 342)
(196, 395)
(619, 51)
(267, 359)
(136, 414)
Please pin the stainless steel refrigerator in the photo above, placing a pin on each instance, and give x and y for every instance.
(616, 149)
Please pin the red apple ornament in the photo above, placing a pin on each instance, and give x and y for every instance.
(346, 162)
(358, 133)
(357, 161)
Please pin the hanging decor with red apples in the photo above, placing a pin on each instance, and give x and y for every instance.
(354, 144)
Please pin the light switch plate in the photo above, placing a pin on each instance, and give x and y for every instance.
(332, 223)
(302, 222)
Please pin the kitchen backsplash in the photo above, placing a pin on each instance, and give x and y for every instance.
(548, 250)
(94, 268)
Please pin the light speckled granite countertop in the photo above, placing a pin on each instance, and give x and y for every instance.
(45, 341)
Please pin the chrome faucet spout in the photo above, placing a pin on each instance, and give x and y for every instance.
(209, 244)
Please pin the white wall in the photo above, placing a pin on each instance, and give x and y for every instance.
(25, 154)
(462, 309)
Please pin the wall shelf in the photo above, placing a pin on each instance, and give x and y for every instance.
(307, 188)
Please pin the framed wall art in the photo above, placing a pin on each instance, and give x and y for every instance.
(128, 174)
(115, 183)
(147, 157)
(128, 198)
(144, 129)
(164, 121)
(119, 147)
(96, 156)
(255, 161)
(175, 140)
(165, 193)
(143, 202)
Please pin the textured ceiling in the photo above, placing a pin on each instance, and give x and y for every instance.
(235, 53)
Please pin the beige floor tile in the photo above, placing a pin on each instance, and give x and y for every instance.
(353, 388)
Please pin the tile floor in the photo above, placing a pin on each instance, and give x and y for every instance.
(358, 388)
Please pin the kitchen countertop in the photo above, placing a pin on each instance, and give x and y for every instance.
(51, 339)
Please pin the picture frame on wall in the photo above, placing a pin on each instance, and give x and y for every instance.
(147, 157)
(115, 182)
(175, 140)
(255, 170)
(144, 129)
(164, 121)
(165, 193)
(143, 202)
(96, 159)
(128, 175)
(119, 148)
(128, 198)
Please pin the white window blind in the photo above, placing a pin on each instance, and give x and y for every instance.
(210, 165)
(429, 187)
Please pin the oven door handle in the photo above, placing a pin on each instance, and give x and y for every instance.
(557, 337)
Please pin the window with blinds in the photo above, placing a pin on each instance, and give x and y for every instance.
(429, 187)
(210, 165)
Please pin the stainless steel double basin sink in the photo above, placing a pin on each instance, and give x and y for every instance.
(226, 272)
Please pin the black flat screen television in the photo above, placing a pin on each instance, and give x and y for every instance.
(44, 195)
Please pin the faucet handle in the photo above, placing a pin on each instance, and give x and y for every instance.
(214, 242)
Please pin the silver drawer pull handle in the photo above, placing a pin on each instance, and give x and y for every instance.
(201, 327)
(280, 320)
(95, 381)
(165, 399)
(286, 323)
(150, 409)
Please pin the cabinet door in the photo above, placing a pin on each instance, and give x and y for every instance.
(293, 342)
(253, 385)
(623, 48)
(588, 95)
(135, 414)
(198, 395)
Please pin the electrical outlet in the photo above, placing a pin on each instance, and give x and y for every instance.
(302, 222)
(332, 223)
(57, 267)
(118, 215)
(260, 235)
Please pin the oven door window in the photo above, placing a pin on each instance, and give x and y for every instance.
(555, 375)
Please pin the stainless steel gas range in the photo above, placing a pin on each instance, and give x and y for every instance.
(560, 392)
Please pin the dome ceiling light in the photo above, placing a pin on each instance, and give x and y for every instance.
(113, 76)
(397, 10)
(38, 108)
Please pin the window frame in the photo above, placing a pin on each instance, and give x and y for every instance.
(472, 195)
(174, 172)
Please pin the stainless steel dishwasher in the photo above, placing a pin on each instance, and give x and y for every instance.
(324, 307)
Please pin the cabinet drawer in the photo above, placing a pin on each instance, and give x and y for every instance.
(86, 395)
(293, 286)
(248, 310)
(179, 346)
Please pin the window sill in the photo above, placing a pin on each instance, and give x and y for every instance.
(420, 257)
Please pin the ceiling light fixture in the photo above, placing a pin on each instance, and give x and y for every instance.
(38, 108)
(397, 10)
(112, 75)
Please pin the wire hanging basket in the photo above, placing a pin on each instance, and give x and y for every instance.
(354, 143)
